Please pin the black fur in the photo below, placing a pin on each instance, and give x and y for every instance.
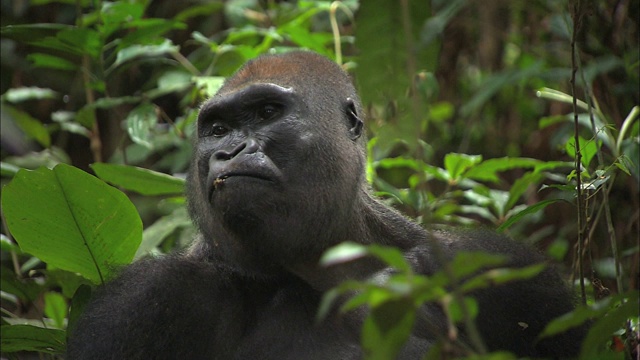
(277, 178)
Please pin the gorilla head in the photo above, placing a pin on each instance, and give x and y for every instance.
(279, 155)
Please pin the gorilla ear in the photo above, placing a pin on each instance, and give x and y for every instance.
(355, 123)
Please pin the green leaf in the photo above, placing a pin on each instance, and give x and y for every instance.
(579, 316)
(520, 186)
(140, 180)
(31, 32)
(136, 51)
(140, 124)
(209, 84)
(387, 328)
(488, 169)
(205, 9)
(344, 252)
(155, 234)
(110, 102)
(588, 149)
(72, 220)
(529, 210)
(121, 12)
(8, 170)
(455, 312)
(76, 41)
(55, 308)
(457, 164)
(147, 31)
(32, 127)
(20, 94)
(500, 276)
(600, 332)
(25, 289)
(14, 338)
(51, 62)
(391, 256)
(328, 300)
(466, 263)
(171, 81)
(83, 40)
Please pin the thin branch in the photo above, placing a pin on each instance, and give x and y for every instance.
(577, 22)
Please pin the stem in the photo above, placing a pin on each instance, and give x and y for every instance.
(577, 19)
(605, 186)
(626, 125)
(336, 32)
(185, 62)
(94, 136)
(335, 29)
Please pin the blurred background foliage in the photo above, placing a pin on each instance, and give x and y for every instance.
(469, 114)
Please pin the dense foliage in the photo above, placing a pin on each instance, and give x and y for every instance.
(472, 119)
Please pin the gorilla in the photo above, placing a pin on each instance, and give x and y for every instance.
(276, 179)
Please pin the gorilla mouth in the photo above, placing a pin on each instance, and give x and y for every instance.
(220, 181)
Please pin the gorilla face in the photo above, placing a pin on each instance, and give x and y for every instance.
(276, 162)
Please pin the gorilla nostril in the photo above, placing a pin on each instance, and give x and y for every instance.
(222, 155)
(249, 146)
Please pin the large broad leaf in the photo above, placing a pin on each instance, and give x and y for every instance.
(142, 181)
(72, 220)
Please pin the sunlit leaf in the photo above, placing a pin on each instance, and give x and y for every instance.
(140, 124)
(457, 164)
(136, 51)
(488, 169)
(209, 84)
(20, 94)
(347, 251)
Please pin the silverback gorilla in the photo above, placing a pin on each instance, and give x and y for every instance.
(276, 179)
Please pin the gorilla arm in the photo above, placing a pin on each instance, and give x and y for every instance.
(158, 302)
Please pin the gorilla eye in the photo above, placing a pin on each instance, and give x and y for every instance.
(218, 131)
(269, 111)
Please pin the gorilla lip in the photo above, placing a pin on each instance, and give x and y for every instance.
(219, 181)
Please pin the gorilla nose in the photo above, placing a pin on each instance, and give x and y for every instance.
(248, 146)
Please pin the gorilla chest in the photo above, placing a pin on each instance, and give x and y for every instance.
(284, 326)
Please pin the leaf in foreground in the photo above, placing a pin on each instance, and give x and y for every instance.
(72, 220)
